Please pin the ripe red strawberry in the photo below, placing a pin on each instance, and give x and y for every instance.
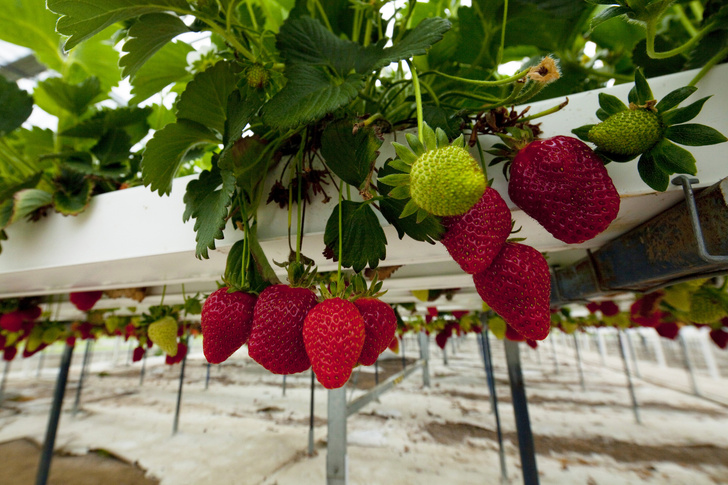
(31, 313)
(668, 330)
(12, 321)
(85, 300)
(9, 353)
(441, 338)
(563, 184)
(138, 354)
(380, 324)
(720, 337)
(473, 239)
(276, 340)
(226, 321)
(517, 286)
(532, 343)
(514, 336)
(333, 334)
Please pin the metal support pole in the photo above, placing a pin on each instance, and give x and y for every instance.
(578, 363)
(493, 397)
(602, 347)
(633, 396)
(632, 354)
(284, 385)
(79, 388)
(444, 355)
(207, 376)
(552, 338)
(310, 422)
(115, 354)
(6, 370)
(425, 356)
(337, 466)
(144, 366)
(179, 392)
(41, 360)
(689, 364)
(708, 356)
(520, 410)
(404, 360)
(128, 354)
(452, 344)
(376, 372)
(44, 466)
(659, 353)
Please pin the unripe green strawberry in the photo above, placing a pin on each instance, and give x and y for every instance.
(257, 76)
(163, 333)
(446, 181)
(629, 132)
(705, 307)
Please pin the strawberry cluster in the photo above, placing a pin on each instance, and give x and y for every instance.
(289, 330)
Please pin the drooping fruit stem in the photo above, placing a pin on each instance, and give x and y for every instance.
(709, 65)
(418, 101)
(501, 48)
(545, 112)
(164, 292)
(480, 82)
(341, 234)
(652, 33)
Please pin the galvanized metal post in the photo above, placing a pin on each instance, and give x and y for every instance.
(207, 376)
(633, 396)
(376, 372)
(689, 364)
(632, 354)
(44, 466)
(444, 355)
(41, 360)
(578, 363)
(659, 353)
(404, 360)
(493, 397)
(708, 356)
(175, 427)
(310, 421)
(284, 385)
(79, 388)
(425, 356)
(144, 366)
(602, 347)
(520, 410)
(337, 467)
(552, 338)
(6, 371)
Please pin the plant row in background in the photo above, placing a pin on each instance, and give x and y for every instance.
(289, 105)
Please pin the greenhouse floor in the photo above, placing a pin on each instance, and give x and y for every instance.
(243, 430)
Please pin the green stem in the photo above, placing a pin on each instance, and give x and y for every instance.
(299, 169)
(529, 93)
(652, 32)
(356, 25)
(546, 112)
(499, 82)
(371, 119)
(684, 20)
(324, 17)
(463, 94)
(164, 292)
(501, 48)
(482, 157)
(607, 75)
(430, 92)
(418, 100)
(697, 8)
(709, 65)
(367, 32)
(341, 236)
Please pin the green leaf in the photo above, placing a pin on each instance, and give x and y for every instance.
(145, 37)
(108, 119)
(165, 151)
(415, 144)
(681, 115)
(113, 147)
(207, 200)
(29, 24)
(29, 200)
(409, 208)
(363, 239)
(167, 66)
(611, 104)
(9, 187)
(674, 98)
(82, 19)
(349, 155)
(205, 99)
(445, 119)
(242, 106)
(607, 14)
(671, 158)
(247, 160)
(73, 192)
(583, 132)
(95, 57)
(395, 179)
(160, 116)
(641, 92)
(404, 153)
(74, 98)
(651, 174)
(602, 115)
(693, 134)
(400, 193)
(15, 106)
(414, 43)
(309, 95)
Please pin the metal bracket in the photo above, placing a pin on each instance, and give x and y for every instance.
(686, 183)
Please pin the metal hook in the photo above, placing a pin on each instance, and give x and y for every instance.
(686, 183)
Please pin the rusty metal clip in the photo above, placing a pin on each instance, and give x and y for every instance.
(686, 183)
